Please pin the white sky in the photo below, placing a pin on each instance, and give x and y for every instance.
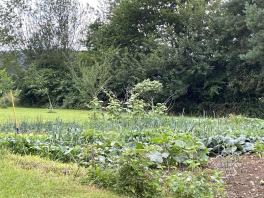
(93, 3)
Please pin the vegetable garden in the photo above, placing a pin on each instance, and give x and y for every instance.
(140, 155)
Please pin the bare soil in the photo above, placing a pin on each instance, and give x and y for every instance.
(243, 175)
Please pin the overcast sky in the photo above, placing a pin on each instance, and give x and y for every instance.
(93, 3)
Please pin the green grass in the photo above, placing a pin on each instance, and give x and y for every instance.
(32, 177)
(31, 114)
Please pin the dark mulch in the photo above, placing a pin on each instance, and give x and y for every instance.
(243, 175)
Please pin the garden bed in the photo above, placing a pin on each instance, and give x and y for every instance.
(243, 175)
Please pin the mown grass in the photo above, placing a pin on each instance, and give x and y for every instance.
(32, 114)
(33, 177)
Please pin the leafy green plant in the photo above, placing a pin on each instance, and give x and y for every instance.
(135, 177)
(101, 177)
(6, 85)
(226, 145)
(259, 148)
(114, 107)
(141, 99)
(95, 104)
(158, 109)
(136, 107)
(147, 89)
(182, 148)
(198, 184)
(141, 156)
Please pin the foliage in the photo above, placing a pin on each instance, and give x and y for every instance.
(95, 104)
(127, 165)
(102, 177)
(254, 18)
(135, 177)
(38, 82)
(6, 83)
(196, 62)
(147, 89)
(114, 107)
(259, 148)
(142, 156)
(44, 34)
(200, 184)
(91, 74)
(201, 52)
(6, 99)
(181, 149)
(226, 145)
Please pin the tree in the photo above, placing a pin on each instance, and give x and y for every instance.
(90, 74)
(6, 85)
(37, 82)
(254, 21)
(45, 34)
(42, 24)
(149, 30)
(232, 41)
(146, 90)
(255, 54)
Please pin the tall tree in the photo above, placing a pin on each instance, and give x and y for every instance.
(168, 39)
(46, 32)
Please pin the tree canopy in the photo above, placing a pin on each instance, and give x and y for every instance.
(207, 54)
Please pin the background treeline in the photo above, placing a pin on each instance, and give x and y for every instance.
(208, 54)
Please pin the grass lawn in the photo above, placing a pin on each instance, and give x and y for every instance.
(32, 114)
(33, 177)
